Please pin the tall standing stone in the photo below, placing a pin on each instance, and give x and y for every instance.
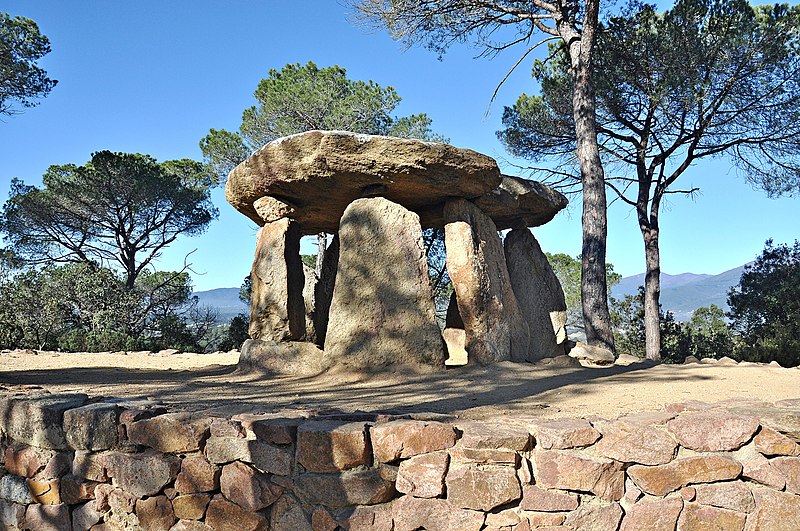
(323, 290)
(538, 292)
(277, 310)
(494, 326)
(309, 301)
(382, 310)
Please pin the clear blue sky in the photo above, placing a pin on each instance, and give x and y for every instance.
(154, 76)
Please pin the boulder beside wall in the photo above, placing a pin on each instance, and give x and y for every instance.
(538, 292)
(494, 326)
(295, 358)
(277, 309)
(382, 310)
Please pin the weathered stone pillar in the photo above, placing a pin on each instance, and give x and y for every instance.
(309, 303)
(494, 327)
(538, 292)
(323, 291)
(382, 310)
(277, 310)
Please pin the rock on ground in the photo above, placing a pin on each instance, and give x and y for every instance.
(290, 358)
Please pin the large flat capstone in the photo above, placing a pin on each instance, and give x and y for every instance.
(313, 176)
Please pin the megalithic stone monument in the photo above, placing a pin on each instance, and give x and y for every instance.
(372, 305)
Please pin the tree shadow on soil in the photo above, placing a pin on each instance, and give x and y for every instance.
(502, 388)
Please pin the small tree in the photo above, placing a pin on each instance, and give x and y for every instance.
(22, 81)
(707, 78)
(765, 306)
(711, 335)
(119, 209)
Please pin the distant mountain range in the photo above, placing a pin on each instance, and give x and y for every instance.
(682, 294)
(225, 300)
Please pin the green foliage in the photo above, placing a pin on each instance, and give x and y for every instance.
(442, 286)
(627, 317)
(80, 307)
(706, 335)
(236, 332)
(22, 82)
(710, 335)
(309, 260)
(568, 271)
(246, 289)
(765, 306)
(302, 98)
(119, 209)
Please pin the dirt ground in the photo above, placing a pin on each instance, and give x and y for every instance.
(209, 381)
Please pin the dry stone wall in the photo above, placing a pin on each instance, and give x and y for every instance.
(73, 462)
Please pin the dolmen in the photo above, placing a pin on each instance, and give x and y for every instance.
(371, 306)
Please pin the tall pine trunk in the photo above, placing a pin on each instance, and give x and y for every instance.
(594, 288)
(652, 291)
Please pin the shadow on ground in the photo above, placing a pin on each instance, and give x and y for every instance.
(475, 392)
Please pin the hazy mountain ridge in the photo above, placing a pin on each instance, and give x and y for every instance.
(682, 294)
(225, 300)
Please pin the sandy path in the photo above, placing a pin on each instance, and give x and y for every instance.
(208, 381)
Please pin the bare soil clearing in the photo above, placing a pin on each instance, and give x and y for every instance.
(209, 381)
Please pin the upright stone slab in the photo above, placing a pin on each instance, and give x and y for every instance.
(538, 292)
(382, 310)
(323, 290)
(277, 310)
(494, 326)
(310, 281)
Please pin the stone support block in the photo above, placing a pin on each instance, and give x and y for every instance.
(265, 457)
(663, 479)
(422, 476)
(482, 487)
(277, 309)
(355, 487)
(559, 469)
(713, 430)
(246, 487)
(223, 515)
(197, 475)
(171, 433)
(38, 420)
(494, 326)
(411, 513)
(406, 438)
(142, 474)
(538, 292)
(48, 517)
